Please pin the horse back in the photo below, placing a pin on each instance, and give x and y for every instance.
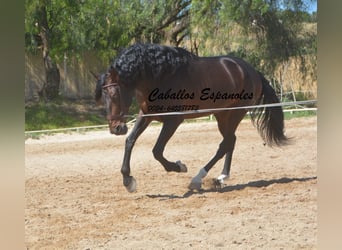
(222, 73)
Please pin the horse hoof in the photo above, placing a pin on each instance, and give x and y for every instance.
(132, 186)
(195, 185)
(219, 182)
(183, 168)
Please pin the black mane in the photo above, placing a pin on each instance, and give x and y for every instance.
(150, 61)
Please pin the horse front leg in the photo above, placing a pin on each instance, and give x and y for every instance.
(169, 127)
(139, 127)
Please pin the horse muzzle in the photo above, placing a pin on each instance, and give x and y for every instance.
(118, 128)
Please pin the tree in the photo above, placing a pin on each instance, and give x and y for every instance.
(43, 38)
(60, 28)
(209, 32)
(264, 32)
(174, 24)
(158, 21)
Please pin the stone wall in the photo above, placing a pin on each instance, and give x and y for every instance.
(76, 80)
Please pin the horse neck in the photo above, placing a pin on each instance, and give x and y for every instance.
(142, 91)
(143, 88)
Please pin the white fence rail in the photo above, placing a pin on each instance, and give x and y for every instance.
(94, 127)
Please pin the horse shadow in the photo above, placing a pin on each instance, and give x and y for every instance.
(237, 187)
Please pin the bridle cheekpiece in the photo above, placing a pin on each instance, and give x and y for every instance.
(121, 115)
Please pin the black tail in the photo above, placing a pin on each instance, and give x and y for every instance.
(270, 120)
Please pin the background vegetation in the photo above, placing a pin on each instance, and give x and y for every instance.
(270, 34)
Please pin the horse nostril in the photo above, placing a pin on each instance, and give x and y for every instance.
(117, 129)
(124, 129)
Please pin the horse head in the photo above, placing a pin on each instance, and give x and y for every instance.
(116, 99)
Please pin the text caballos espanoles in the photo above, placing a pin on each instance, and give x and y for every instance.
(206, 94)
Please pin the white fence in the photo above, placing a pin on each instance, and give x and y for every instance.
(131, 122)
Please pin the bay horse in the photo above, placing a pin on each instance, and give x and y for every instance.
(166, 79)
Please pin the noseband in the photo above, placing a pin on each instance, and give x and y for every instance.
(111, 85)
(121, 115)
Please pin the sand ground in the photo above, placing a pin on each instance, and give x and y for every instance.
(75, 198)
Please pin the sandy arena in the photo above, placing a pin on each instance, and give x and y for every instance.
(75, 198)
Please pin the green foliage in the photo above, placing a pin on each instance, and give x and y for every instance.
(268, 26)
(265, 33)
(104, 26)
(42, 116)
(77, 26)
(298, 114)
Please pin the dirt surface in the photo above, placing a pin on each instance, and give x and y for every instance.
(75, 198)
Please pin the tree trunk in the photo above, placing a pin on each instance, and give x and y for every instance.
(174, 36)
(174, 27)
(50, 89)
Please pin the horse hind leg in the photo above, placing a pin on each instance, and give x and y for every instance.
(219, 182)
(224, 149)
(227, 124)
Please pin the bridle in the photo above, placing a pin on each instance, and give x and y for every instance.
(111, 117)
